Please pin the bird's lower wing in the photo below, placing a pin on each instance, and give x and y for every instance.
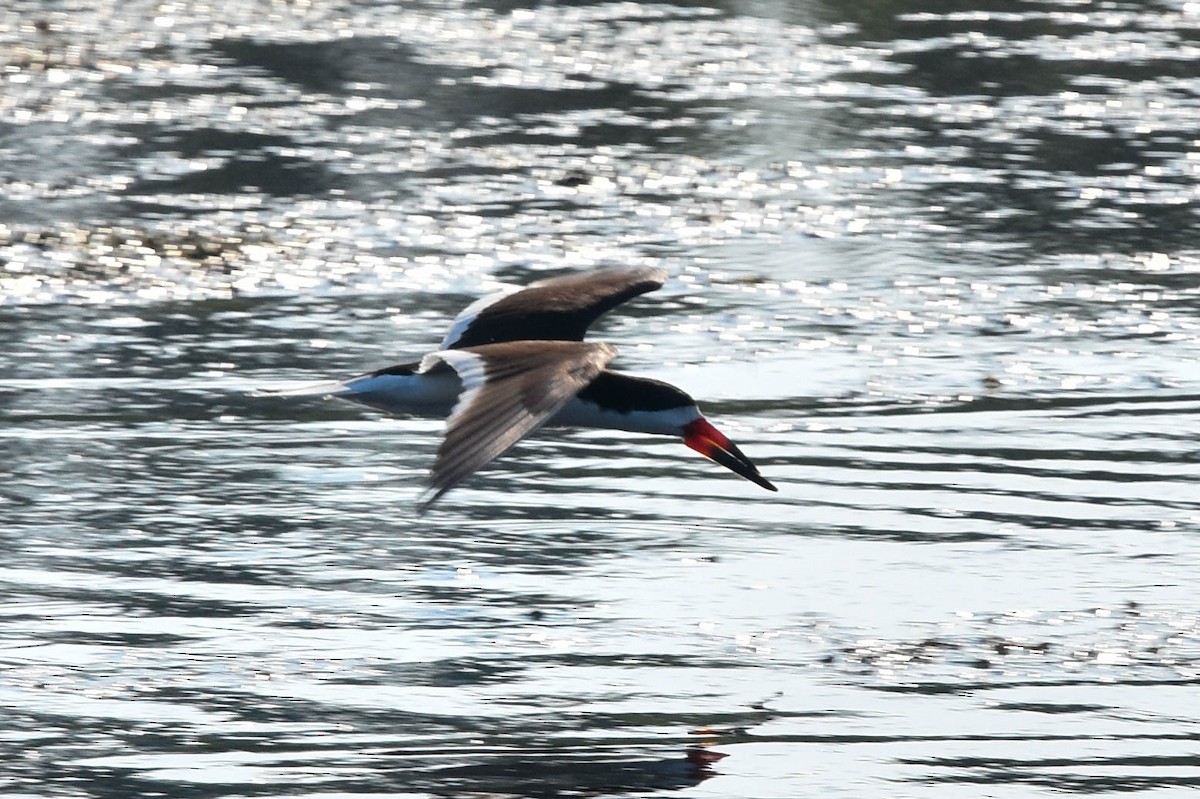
(509, 391)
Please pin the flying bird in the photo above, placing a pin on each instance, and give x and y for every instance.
(515, 362)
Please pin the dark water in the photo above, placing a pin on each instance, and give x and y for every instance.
(933, 267)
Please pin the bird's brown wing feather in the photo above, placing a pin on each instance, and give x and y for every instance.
(556, 309)
(509, 390)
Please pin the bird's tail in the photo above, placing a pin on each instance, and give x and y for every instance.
(330, 388)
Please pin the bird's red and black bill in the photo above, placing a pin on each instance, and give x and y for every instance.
(710, 442)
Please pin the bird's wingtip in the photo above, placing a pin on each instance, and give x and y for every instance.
(430, 495)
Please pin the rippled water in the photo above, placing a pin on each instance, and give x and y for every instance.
(933, 268)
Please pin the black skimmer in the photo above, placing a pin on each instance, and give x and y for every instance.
(515, 362)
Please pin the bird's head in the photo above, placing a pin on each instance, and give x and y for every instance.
(642, 405)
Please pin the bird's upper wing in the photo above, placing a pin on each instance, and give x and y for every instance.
(509, 390)
(556, 309)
